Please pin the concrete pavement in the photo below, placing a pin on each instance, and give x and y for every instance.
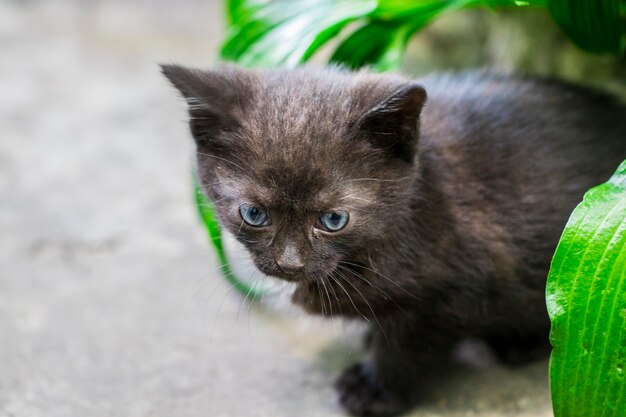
(110, 301)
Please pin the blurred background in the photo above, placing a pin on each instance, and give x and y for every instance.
(111, 303)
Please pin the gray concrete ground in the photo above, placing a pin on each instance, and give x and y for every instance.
(110, 302)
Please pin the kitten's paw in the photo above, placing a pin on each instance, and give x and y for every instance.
(362, 393)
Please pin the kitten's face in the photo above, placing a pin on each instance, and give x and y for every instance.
(300, 213)
(308, 169)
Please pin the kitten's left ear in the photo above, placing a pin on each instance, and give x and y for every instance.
(211, 97)
(393, 124)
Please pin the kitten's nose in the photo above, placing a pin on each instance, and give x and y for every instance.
(289, 269)
(290, 261)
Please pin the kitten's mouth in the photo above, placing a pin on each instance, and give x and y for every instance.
(299, 278)
(302, 277)
(292, 276)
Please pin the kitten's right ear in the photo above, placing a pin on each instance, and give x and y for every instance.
(211, 97)
(393, 124)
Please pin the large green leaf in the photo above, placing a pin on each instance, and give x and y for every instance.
(586, 298)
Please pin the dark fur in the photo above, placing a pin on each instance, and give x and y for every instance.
(455, 212)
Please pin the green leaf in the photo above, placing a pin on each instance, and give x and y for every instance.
(594, 25)
(289, 32)
(381, 41)
(367, 46)
(237, 10)
(252, 26)
(586, 300)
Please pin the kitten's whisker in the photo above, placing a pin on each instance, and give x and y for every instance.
(349, 298)
(332, 289)
(356, 198)
(263, 278)
(382, 276)
(226, 276)
(219, 309)
(347, 279)
(330, 303)
(353, 197)
(241, 239)
(319, 292)
(211, 203)
(227, 264)
(380, 179)
(253, 300)
(263, 282)
(250, 290)
(222, 159)
(385, 294)
(214, 238)
(230, 274)
(240, 227)
(206, 185)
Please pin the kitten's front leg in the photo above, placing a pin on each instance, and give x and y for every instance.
(399, 361)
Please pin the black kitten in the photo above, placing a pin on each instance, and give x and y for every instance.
(433, 219)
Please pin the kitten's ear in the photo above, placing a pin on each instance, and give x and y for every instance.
(211, 96)
(393, 124)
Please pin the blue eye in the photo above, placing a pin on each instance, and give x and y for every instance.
(334, 221)
(254, 216)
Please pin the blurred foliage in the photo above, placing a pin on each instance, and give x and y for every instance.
(376, 32)
(505, 40)
(286, 33)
